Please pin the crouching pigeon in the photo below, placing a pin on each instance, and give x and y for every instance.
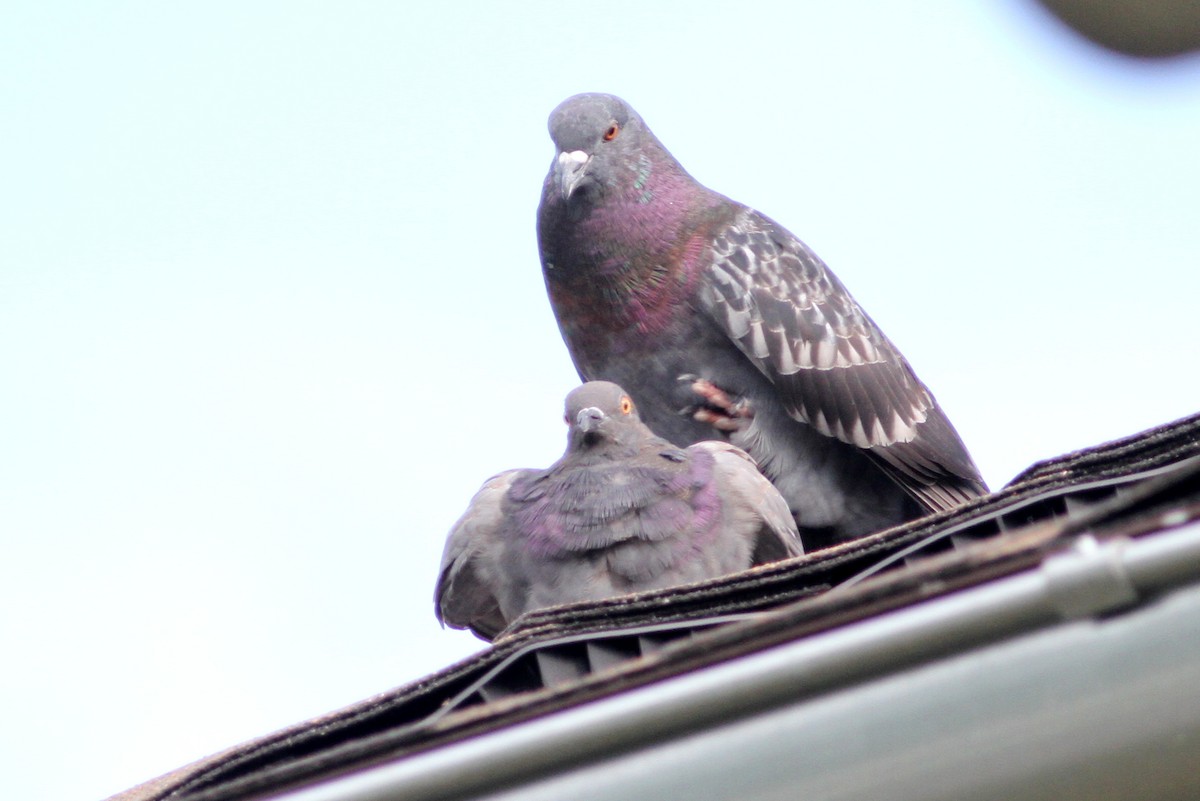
(622, 511)
(720, 322)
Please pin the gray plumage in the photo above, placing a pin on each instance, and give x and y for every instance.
(622, 511)
(657, 281)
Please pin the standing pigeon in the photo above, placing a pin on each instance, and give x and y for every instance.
(621, 511)
(720, 322)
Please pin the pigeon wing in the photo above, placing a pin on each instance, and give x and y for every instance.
(466, 595)
(833, 367)
(757, 500)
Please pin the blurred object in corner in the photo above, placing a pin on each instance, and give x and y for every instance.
(1144, 28)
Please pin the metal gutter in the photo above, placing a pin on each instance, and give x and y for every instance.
(1091, 579)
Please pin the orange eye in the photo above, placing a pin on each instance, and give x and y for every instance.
(612, 132)
(626, 405)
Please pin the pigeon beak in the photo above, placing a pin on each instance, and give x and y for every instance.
(569, 170)
(589, 419)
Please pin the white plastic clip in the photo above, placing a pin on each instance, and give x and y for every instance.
(1090, 579)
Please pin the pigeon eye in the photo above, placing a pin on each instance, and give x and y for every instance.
(612, 132)
(626, 405)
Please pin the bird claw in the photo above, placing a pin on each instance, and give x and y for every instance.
(717, 407)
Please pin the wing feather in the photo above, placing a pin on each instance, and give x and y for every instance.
(465, 596)
(834, 368)
(775, 535)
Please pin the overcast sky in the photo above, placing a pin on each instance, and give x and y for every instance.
(271, 308)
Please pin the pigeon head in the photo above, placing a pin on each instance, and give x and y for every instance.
(601, 413)
(602, 143)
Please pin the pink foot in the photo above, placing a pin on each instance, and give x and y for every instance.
(718, 409)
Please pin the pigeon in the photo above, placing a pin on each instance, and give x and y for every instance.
(722, 324)
(621, 512)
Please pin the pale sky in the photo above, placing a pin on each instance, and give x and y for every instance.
(271, 308)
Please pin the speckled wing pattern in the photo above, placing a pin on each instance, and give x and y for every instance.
(835, 370)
